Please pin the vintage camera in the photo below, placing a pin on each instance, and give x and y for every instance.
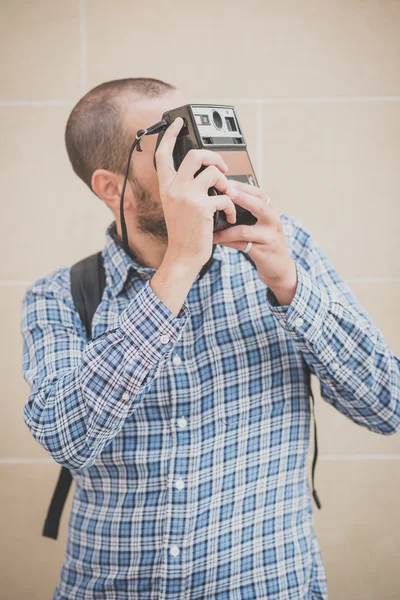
(214, 127)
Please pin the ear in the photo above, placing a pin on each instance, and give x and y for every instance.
(108, 187)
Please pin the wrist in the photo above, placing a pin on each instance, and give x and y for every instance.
(285, 289)
(172, 282)
(184, 269)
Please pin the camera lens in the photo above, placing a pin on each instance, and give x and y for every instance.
(217, 119)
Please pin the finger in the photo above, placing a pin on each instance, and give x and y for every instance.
(249, 189)
(164, 159)
(195, 159)
(257, 206)
(212, 176)
(240, 233)
(236, 245)
(224, 203)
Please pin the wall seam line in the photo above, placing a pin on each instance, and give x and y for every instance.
(240, 100)
(83, 40)
(260, 145)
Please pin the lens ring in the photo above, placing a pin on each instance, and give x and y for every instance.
(217, 119)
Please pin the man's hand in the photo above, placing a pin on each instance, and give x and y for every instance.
(275, 266)
(188, 209)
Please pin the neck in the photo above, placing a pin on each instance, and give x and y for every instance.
(146, 248)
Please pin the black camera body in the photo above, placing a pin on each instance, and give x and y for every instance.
(214, 127)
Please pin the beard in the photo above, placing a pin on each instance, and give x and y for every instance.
(149, 213)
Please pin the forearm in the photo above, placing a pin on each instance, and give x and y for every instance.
(359, 373)
(172, 282)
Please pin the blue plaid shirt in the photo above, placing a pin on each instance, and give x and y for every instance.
(187, 436)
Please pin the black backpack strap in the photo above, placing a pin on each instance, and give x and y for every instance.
(52, 522)
(315, 457)
(87, 286)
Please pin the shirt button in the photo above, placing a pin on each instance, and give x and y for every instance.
(182, 422)
(179, 484)
(299, 322)
(174, 550)
(176, 360)
(164, 339)
(125, 396)
(335, 366)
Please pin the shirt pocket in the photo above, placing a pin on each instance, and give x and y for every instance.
(250, 410)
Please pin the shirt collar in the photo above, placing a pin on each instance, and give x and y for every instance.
(118, 263)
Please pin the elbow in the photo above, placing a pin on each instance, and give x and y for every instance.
(391, 426)
(75, 456)
(388, 428)
(75, 462)
(391, 400)
(384, 403)
(389, 415)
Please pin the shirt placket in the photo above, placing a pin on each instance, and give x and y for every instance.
(175, 538)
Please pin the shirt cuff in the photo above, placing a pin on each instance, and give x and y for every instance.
(304, 316)
(151, 327)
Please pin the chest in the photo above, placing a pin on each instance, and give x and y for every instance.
(233, 359)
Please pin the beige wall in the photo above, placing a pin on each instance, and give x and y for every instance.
(316, 85)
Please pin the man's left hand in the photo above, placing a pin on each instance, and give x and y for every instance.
(275, 266)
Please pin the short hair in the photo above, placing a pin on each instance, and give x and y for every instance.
(96, 135)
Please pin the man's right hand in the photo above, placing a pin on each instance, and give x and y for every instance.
(188, 209)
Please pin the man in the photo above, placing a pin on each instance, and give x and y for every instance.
(185, 421)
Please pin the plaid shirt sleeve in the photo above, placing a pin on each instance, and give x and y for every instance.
(359, 374)
(82, 391)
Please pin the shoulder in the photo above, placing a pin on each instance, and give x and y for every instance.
(48, 297)
(56, 283)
